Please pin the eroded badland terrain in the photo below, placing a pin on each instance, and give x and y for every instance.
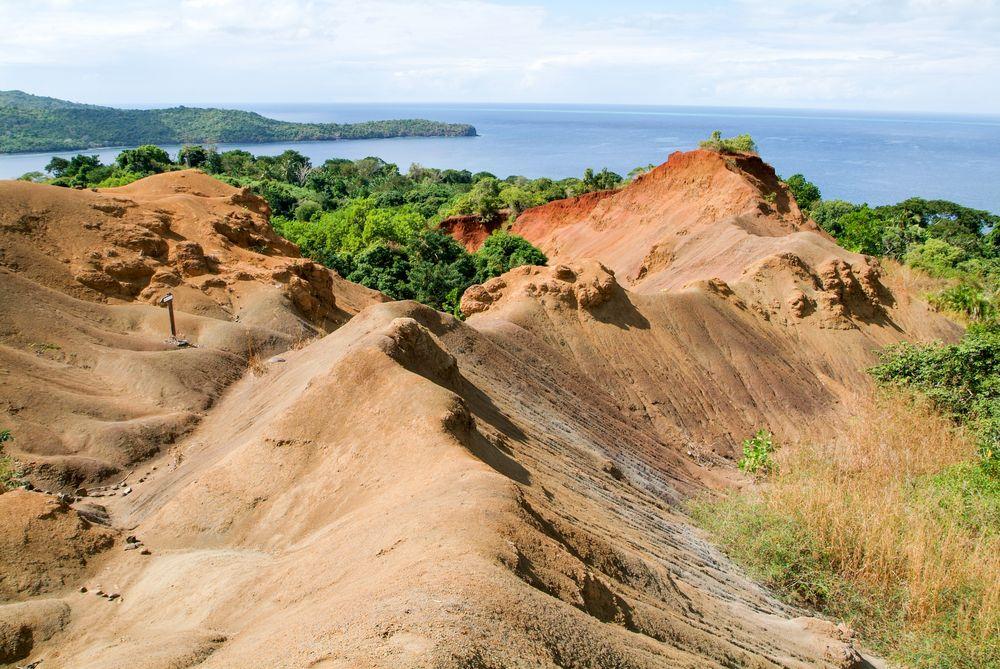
(323, 478)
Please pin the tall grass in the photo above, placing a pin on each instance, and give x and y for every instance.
(893, 528)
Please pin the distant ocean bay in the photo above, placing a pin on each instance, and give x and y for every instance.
(862, 157)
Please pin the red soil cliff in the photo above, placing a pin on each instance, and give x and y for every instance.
(700, 214)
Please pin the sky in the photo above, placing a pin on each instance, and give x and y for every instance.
(878, 55)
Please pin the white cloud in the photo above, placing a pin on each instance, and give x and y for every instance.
(939, 54)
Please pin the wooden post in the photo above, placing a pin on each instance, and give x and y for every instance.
(168, 299)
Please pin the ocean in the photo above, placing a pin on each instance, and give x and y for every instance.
(878, 158)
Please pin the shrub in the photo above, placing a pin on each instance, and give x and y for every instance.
(8, 466)
(596, 181)
(146, 159)
(440, 270)
(33, 177)
(966, 299)
(193, 155)
(517, 198)
(640, 170)
(739, 144)
(897, 240)
(936, 257)
(806, 193)
(827, 214)
(306, 210)
(483, 200)
(118, 178)
(757, 453)
(384, 268)
(502, 252)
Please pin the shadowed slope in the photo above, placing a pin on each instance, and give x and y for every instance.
(703, 365)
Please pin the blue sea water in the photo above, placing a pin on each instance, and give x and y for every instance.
(877, 158)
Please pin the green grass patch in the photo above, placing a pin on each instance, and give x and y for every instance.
(9, 471)
(964, 493)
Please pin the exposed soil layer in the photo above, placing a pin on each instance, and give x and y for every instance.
(471, 231)
(92, 381)
(699, 215)
(411, 490)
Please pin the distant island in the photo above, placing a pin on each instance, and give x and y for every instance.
(35, 123)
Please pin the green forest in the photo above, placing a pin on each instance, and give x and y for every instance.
(34, 123)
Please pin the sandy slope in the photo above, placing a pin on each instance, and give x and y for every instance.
(412, 490)
(717, 307)
(706, 365)
(91, 382)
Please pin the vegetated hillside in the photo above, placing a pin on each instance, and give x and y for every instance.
(30, 123)
(410, 489)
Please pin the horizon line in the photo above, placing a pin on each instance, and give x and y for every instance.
(638, 105)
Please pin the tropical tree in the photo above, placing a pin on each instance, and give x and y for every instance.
(503, 251)
(146, 159)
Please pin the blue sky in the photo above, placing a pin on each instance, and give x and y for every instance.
(919, 55)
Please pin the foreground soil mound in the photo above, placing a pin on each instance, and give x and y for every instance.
(411, 490)
(91, 380)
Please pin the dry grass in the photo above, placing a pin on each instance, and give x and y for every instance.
(901, 527)
(913, 281)
(256, 362)
(302, 342)
(899, 277)
(859, 497)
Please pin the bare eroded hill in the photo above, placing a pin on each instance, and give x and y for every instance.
(412, 490)
(91, 383)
